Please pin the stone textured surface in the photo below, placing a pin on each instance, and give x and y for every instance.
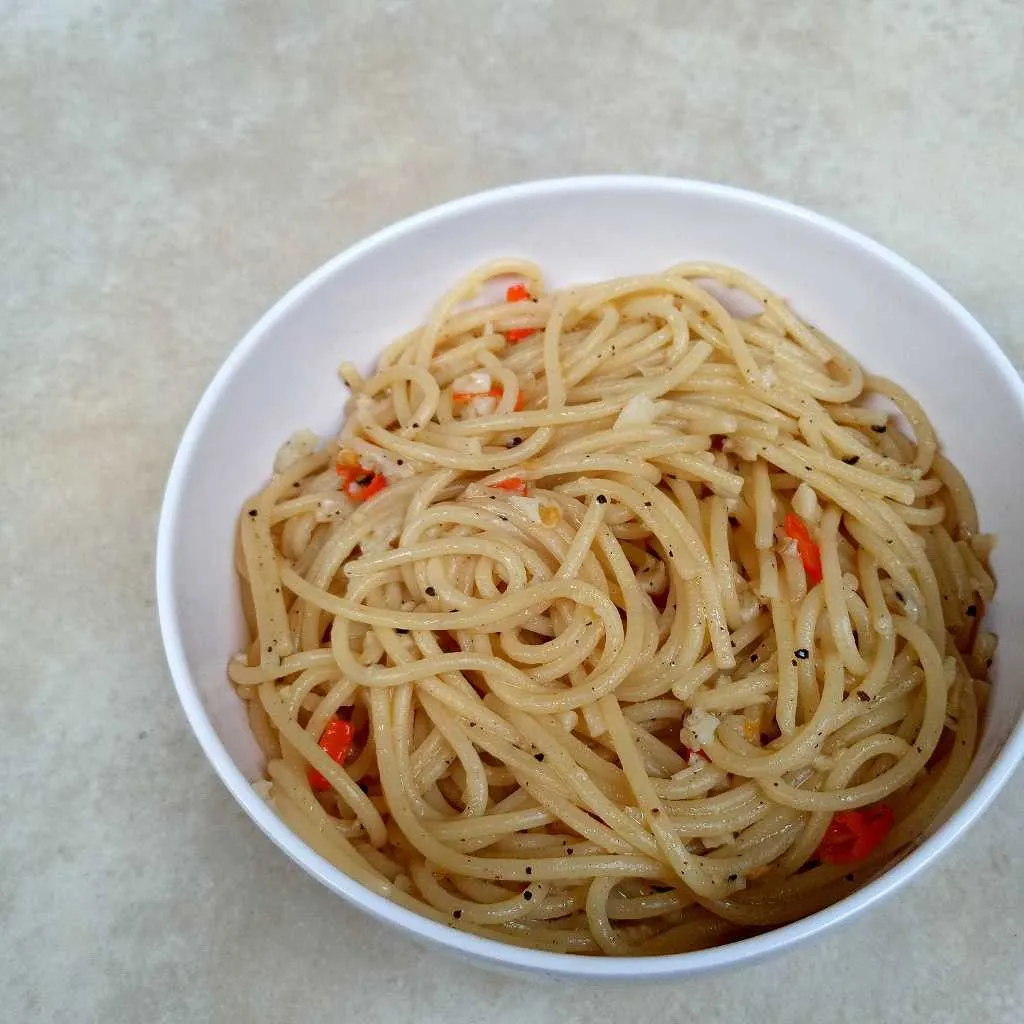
(166, 171)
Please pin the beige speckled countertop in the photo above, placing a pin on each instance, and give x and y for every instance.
(167, 170)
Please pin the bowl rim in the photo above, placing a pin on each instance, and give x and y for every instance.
(492, 951)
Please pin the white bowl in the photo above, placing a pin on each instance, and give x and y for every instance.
(282, 376)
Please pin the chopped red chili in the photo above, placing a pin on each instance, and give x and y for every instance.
(513, 484)
(809, 552)
(336, 742)
(518, 293)
(518, 334)
(463, 397)
(360, 483)
(852, 835)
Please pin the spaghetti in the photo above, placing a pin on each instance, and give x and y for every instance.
(624, 619)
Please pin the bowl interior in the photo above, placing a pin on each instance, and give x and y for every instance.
(283, 377)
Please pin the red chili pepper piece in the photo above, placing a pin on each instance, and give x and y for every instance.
(512, 484)
(518, 334)
(518, 293)
(359, 483)
(462, 397)
(348, 473)
(336, 742)
(852, 835)
(367, 491)
(808, 551)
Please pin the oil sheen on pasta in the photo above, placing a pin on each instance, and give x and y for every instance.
(548, 579)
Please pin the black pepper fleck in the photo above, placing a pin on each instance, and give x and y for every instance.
(527, 895)
(601, 499)
(514, 443)
(568, 851)
(733, 878)
(538, 757)
(402, 631)
(802, 653)
(861, 695)
(852, 460)
(528, 869)
(253, 513)
(793, 662)
(431, 592)
(972, 610)
(879, 429)
(753, 657)
(456, 914)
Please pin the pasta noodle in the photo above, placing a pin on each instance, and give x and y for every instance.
(622, 619)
